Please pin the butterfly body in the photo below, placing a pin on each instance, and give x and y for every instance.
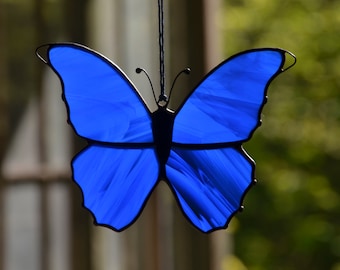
(162, 126)
(197, 150)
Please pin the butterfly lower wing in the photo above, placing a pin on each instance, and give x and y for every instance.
(226, 106)
(103, 105)
(115, 182)
(209, 184)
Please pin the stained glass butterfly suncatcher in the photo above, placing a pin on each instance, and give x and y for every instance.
(197, 150)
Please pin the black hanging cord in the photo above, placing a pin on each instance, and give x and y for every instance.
(163, 100)
(162, 96)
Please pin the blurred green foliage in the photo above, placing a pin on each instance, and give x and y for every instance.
(292, 217)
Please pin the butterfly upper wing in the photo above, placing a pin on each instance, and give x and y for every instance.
(207, 168)
(103, 104)
(226, 106)
(119, 168)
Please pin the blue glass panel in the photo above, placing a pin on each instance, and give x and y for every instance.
(103, 104)
(209, 184)
(226, 106)
(115, 182)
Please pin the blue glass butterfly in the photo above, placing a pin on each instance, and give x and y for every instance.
(197, 150)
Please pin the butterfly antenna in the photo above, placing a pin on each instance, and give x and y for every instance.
(185, 71)
(140, 70)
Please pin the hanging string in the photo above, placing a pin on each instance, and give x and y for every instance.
(162, 96)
